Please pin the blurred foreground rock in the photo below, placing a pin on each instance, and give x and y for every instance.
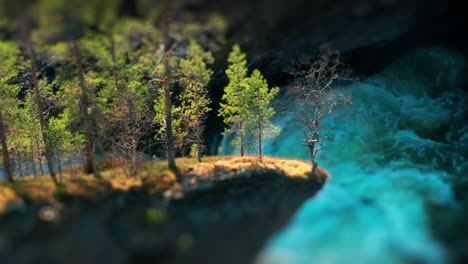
(226, 220)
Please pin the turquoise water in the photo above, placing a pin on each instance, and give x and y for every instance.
(396, 152)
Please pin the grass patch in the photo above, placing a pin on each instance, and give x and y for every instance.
(153, 177)
(294, 168)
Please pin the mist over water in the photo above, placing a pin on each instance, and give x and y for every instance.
(397, 151)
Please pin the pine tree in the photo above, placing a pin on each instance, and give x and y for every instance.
(65, 125)
(19, 132)
(233, 110)
(21, 16)
(82, 63)
(66, 21)
(194, 77)
(105, 18)
(167, 84)
(178, 125)
(9, 52)
(259, 96)
(176, 27)
(25, 135)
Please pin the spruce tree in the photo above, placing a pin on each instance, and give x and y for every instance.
(233, 110)
(259, 97)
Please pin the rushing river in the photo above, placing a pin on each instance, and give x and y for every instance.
(397, 151)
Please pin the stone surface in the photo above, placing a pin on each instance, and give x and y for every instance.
(226, 221)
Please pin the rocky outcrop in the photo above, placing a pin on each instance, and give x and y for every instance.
(227, 221)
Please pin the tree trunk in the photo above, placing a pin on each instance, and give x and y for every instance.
(59, 164)
(133, 172)
(40, 108)
(312, 156)
(168, 118)
(38, 154)
(241, 136)
(169, 135)
(314, 167)
(311, 146)
(33, 164)
(114, 61)
(170, 150)
(199, 145)
(41, 168)
(5, 154)
(18, 160)
(260, 147)
(84, 105)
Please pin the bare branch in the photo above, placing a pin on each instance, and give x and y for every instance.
(313, 94)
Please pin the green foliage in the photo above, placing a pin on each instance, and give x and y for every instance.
(64, 142)
(9, 55)
(259, 96)
(194, 77)
(194, 150)
(99, 70)
(188, 117)
(246, 109)
(9, 52)
(234, 110)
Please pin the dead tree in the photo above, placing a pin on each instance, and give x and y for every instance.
(314, 95)
(134, 123)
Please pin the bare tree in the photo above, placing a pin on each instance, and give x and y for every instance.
(135, 120)
(314, 96)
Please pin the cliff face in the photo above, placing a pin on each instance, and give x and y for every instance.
(225, 221)
(231, 221)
